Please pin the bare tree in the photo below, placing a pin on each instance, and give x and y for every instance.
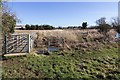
(101, 21)
(103, 27)
(116, 23)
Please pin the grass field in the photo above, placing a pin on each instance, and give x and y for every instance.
(88, 65)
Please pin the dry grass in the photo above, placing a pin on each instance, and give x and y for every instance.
(69, 35)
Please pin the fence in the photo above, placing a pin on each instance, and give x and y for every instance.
(17, 43)
(56, 42)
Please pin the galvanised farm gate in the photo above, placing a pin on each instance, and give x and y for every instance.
(17, 43)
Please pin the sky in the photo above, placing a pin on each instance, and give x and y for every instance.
(63, 13)
(63, 0)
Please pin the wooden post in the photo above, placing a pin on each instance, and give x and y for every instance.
(31, 43)
(28, 43)
(5, 44)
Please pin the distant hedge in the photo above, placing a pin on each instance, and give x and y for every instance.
(38, 27)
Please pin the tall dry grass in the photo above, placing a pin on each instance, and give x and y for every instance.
(71, 37)
(68, 35)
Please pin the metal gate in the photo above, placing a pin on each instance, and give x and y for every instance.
(17, 43)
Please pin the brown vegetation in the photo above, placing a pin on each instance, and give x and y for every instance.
(73, 39)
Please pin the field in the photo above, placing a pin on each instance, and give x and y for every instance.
(87, 62)
(100, 64)
(71, 37)
(69, 34)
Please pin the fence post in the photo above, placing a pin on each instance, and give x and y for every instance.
(28, 43)
(5, 44)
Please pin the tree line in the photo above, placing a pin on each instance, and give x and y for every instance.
(49, 27)
(38, 27)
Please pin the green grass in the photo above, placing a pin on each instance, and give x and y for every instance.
(100, 64)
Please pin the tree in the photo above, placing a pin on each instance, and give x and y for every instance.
(8, 23)
(9, 19)
(40, 27)
(32, 27)
(103, 26)
(84, 25)
(47, 27)
(60, 27)
(101, 21)
(116, 24)
(27, 27)
(37, 27)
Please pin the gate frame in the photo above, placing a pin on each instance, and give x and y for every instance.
(28, 42)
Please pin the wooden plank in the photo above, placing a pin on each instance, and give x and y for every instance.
(23, 48)
(15, 54)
